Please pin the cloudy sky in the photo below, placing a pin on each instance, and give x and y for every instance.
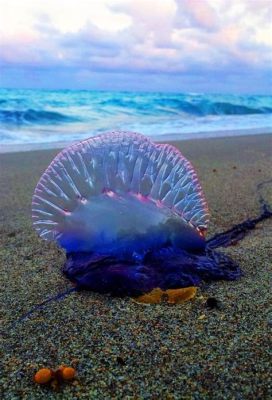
(147, 45)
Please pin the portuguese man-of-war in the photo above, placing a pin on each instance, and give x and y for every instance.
(131, 216)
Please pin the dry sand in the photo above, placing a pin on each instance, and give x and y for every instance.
(124, 350)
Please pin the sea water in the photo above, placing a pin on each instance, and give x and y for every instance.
(45, 118)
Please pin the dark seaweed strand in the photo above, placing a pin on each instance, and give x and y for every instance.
(239, 231)
(38, 307)
(228, 268)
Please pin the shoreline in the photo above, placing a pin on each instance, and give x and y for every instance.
(171, 137)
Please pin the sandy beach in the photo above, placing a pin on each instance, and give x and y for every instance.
(124, 350)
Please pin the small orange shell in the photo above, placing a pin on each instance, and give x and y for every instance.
(68, 373)
(43, 376)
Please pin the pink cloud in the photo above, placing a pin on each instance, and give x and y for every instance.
(199, 12)
(165, 36)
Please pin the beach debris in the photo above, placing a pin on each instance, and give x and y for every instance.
(177, 296)
(66, 373)
(212, 303)
(54, 377)
(171, 296)
(11, 234)
(153, 297)
(120, 360)
(132, 218)
(43, 376)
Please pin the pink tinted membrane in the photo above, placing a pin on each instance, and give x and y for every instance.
(116, 164)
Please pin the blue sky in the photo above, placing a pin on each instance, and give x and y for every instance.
(146, 45)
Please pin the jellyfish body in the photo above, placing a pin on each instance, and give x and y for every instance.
(130, 214)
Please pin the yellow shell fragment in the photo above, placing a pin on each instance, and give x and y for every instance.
(152, 297)
(177, 296)
(172, 296)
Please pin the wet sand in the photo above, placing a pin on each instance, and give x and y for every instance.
(124, 350)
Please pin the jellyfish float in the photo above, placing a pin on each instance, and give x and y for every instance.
(131, 216)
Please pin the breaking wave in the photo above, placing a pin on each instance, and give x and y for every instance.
(30, 116)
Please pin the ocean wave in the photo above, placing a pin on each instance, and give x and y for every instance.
(31, 116)
(224, 108)
(201, 107)
(38, 116)
(191, 106)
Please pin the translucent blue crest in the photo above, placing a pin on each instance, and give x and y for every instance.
(119, 192)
